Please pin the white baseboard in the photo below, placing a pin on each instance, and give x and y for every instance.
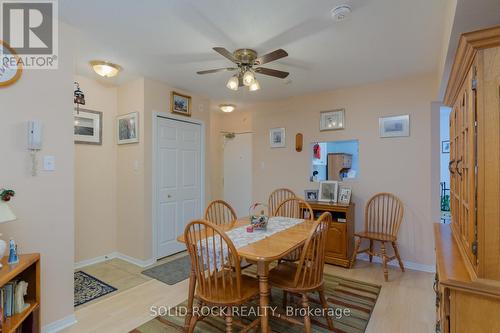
(408, 264)
(60, 324)
(113, 255)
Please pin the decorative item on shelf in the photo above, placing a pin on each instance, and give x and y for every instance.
(328, 191)
(88, 127)
(13, 258)
(258, 221)
(11, 66)
(6, 215)
(78, 97)
(394, 126)
(19, 293)
(277, 137)
(299, 139)
(180, 104)
(344, 194)
(128, 128)
(311, 195)
(332, 120)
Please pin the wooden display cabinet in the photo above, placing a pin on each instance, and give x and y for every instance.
(341, 234)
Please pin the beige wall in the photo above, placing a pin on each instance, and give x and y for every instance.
(135, 233)
(95, 178)
(398, 165)
(43, 204)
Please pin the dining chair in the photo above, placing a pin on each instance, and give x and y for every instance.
(220, 212)
(277, 197)
(294, 208)
(383, 217)
(306, 276)
(219, 281)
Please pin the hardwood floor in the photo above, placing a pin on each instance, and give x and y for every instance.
(405, 304)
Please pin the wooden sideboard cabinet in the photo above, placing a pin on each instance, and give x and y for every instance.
(341, 234)
(468, 251)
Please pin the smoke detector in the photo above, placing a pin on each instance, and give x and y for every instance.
(341, 12)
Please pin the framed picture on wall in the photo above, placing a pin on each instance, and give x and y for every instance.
(277, 138)
(445, 147)
(128, 128)
(332, 120)
(180, 104)
(87, 127)
(328, 191)
(394, 126)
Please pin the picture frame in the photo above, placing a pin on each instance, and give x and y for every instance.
(394, 126)
(311, 195)
(180, 104)
(345, 192)
(87, 127)
(332, 120)
(445, 146)
(127, 128)
(277, 137)
(328, 191)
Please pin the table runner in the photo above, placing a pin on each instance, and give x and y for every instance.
(240, 238)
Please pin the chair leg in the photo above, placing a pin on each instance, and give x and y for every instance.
(192, 322)
(229, 321)
(396, 252)
(371, 250)
(285, 299)
(384, 261)
(324, 303)
(356, 248)
(307, 319)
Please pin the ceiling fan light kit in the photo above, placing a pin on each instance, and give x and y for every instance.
(233, 83)
(246, 59)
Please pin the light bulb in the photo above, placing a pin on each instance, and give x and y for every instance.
(233, 83)
(248, 78)
(227, 107)
(105, 69)
(254, 86)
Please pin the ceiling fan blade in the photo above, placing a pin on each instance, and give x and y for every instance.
(209, 71)
(275, 55)
(225, 53)
(272, 72)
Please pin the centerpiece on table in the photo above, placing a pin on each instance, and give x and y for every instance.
(258, 218)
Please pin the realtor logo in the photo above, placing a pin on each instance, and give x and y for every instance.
(30, 29)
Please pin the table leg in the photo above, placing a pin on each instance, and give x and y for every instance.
(263, 272)
(192, 286)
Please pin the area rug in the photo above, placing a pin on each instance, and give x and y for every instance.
(171, 272)
(88, 288)
(342, 294)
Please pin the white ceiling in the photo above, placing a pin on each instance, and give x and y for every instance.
(169, 40)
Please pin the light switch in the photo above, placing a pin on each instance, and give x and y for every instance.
(49, 163)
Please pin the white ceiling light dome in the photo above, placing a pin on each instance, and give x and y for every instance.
(341, 12)
(227, 107)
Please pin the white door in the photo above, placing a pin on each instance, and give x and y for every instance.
(238, 172)
(178, 177)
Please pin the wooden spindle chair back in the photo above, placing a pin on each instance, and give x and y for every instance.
(215, 259)
(294, 208)
(277, 197)
(384, 214)
(220, 212)
(309, 274)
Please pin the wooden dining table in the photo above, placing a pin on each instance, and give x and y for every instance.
(261, 253)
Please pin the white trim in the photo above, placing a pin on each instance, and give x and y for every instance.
(171, 116)
(115, 255)
(60, 324)
(408, 264)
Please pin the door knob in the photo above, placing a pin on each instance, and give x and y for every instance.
(169, 196)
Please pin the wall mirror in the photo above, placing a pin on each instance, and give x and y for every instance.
(334, 160)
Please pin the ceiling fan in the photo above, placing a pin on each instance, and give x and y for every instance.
(246, 60)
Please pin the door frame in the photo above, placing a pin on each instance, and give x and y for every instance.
(154, 187)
